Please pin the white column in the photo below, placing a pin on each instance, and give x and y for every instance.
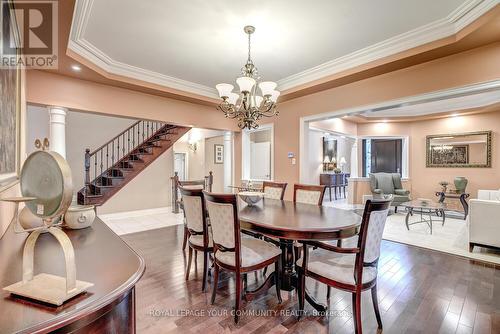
(354, 159)
(57, 139)
(228, 160)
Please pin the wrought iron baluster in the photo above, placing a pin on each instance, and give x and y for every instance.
(101, 167)
(107, 156)
(95, 170)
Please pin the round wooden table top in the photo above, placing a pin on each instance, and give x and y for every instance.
(296, 221)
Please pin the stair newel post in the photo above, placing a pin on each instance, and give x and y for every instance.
(175, 203)
(210, 181)
(87, 170)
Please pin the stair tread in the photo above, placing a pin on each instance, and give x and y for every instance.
(132, 164)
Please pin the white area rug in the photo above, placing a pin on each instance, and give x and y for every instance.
(450, 238)
(141, 220)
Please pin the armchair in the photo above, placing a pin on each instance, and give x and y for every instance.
(483, 220)
(389, 184)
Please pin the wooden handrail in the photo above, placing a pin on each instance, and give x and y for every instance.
(115, 137)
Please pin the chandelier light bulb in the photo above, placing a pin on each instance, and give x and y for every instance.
(274, 95)
(267, 87)
(245, 83)
(224, 89)
(258, 101)
(232, 98)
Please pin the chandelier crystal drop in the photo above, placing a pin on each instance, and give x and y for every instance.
(248, 106)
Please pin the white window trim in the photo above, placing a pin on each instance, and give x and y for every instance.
(245, 151)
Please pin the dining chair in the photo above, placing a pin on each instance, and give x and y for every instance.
(197, 185)
(308, 194)
(199, 234)
(274, 190)
(356, 270)
(235, 252)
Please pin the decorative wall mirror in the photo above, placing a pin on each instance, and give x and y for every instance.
(471, 149)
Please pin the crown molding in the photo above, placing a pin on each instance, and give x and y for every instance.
(452, 24)
(472, 89)
(79, 45)
(442, 28)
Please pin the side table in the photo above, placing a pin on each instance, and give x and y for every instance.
(461, 196)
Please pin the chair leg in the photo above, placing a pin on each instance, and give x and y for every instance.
(184, 241)
(330, 192)
(189, 262)
(205, 271)
(277, 283)
(395, 209)
(356, 312)
(264, 271)
(245, 282)
(375, 306)
(216, 281)
(238, 297)
(328, 292)
(301, 292)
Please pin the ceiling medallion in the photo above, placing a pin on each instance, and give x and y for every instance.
(247, 106)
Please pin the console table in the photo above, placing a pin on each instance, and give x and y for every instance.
(335, 181)
(102, 258)
(462, 197)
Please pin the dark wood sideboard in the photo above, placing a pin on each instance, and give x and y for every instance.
(102, 258)
(337, 181)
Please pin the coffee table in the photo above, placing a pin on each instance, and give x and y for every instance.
(426, 208)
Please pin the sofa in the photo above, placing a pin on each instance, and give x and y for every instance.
(389, 184)
(484, 220)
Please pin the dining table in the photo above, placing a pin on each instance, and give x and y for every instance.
(290, 222)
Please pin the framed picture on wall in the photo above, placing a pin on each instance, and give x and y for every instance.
(218, 154)
(10, 112)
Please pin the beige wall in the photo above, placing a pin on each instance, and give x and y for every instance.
(473, 66)
(217, 169)
(53, 89)
(425, 180)
(150, 189)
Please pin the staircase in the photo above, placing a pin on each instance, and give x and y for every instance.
(110, 167)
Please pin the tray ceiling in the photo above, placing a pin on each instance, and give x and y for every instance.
(193, 45)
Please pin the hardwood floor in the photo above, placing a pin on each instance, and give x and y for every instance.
(420, 291)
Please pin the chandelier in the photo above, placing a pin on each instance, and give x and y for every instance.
(248, 106)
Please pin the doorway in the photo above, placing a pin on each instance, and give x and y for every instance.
(180, 166)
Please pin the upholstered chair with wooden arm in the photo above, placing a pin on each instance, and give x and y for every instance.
(389, 184)
(199, 234)
(238, 253)
(354, 271)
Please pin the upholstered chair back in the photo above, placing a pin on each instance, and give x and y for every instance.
(372, 229)
(382, 181)
(376, 226)
(274, 190)
(224, 221)
(308, 194)
(193, 211)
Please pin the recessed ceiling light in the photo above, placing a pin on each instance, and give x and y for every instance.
(76, 68)
(453, 115)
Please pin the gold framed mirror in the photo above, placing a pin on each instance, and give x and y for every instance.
(466, 150)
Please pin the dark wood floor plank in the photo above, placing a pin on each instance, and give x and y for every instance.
(420, 291)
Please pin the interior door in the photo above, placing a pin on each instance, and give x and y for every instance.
(386, 155)
(260, 168)
(180, 165)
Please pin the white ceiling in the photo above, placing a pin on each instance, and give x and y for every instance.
(202, 42)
